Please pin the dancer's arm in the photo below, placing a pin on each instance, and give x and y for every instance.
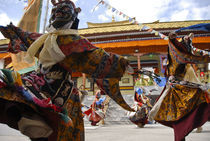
(183, 48)
(19, 40)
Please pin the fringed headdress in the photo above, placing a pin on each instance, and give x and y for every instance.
(56, 2)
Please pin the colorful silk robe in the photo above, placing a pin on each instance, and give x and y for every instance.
(82, 56)
(177, 102)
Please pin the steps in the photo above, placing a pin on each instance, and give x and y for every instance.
(116, 114)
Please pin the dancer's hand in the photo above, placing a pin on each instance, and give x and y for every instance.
(4, 32)
(172, 35)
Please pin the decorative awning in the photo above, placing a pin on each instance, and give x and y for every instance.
(4, 55)
(145, 43)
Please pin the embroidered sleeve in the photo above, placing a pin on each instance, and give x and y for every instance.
(74, 44)
(180, 53)
(19, 39)
(180, 46)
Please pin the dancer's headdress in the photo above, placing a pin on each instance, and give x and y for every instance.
(56, 2)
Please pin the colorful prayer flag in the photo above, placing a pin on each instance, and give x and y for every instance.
(113, 9)
(28, 24)
(134, 21)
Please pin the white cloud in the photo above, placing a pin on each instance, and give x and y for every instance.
(103, 18)
(199, 13)
(163, 10)
(185, 4)
(5, 20)
(109, 13)
(179, 15)
(143, 10)
(1, 37)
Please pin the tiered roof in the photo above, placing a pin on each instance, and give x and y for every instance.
(124, 37)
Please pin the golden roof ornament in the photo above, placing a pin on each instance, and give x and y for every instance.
(113, 19)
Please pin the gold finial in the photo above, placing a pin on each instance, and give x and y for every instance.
(113, 19)
(156, 21)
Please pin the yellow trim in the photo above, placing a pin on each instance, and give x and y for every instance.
(4, 41)
(126, 26)
(126, 87)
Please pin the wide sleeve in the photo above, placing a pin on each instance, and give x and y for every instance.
(178, 51)
(105, 68)
(19, 40)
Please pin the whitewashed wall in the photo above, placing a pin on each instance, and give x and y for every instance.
(1, 63)
(126, 81)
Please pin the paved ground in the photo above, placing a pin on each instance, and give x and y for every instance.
(152, 132)
(9, 134)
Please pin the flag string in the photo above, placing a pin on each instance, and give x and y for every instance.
(143, 27)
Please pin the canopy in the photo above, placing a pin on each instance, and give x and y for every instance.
(202, 27)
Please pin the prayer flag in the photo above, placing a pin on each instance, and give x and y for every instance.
(32, 10)
(166, 38)
(30, 21)
(113, 9)
(145, 27)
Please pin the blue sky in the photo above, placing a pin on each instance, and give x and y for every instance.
(144, 11)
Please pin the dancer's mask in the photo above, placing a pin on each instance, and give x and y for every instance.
(63, 12)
